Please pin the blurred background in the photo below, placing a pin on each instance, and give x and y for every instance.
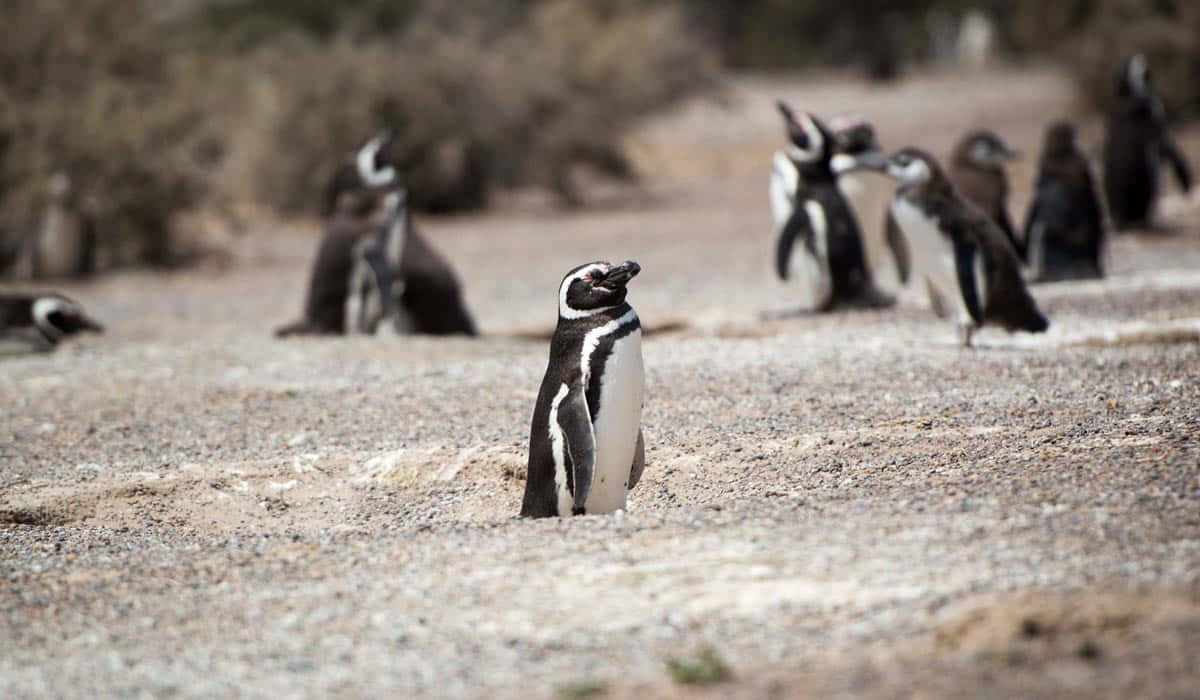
(180, 125)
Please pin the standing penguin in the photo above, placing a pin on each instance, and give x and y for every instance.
(810, 210)
(977, 170)
(869, 194)
(963, 255)
(585, 440)
(36, 322)
(1135, 142)
(1064, 230)
(373, 264)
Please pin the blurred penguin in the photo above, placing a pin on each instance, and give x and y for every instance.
(373, 265)
(869, 194)
(37, 322)
(977, 171)
(1135, 143)
(63, 246)
(1064, 230)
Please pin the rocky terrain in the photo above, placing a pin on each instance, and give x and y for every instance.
(834, 506)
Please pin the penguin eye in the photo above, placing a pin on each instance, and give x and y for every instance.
(593, 275)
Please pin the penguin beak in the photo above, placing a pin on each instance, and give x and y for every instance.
(88, 324)
(619, 275)
(868, 160)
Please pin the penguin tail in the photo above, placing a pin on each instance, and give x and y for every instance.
(1037, 323)
(298, 328)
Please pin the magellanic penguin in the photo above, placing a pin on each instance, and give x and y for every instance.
(1064, 230)
(1135, 142)
(371, 245)
(585, 440)
(964, 256)
(37, 322)
(977, 171)
(818, 243)
(869, 194)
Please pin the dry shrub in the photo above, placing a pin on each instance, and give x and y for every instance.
(90, 88)
(154, 110)
(1167, 33)
(479, 98)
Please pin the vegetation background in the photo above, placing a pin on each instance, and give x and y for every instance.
(159, 110)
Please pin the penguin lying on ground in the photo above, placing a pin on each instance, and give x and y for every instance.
(869, 194)
(585, 440)
(373, 264)
(963, 255)
(977, 171)
(818, 243)
(1135, 142)
(36, 322)
(1064, 230)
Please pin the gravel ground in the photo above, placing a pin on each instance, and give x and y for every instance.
(836, 506)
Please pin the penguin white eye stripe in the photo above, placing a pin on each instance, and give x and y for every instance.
(42, 308)
(564, 308)
(816, 142)
(366, 165)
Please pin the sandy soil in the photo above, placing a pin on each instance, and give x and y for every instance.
(837, 506)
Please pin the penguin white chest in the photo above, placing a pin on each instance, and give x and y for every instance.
(616, 424)
(933, 257)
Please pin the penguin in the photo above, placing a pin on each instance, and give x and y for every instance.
(1064, 229)
(963, 255)
(37, 322)
(1135, 143)
(585, 439)
(401, 282)
(977, 171)
(869, 194)
(373, 264)
(810, 210)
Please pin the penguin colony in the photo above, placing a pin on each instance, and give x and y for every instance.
(845, 216)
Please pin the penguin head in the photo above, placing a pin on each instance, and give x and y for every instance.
(355, 186)
(984, 149)
(809, 141)
(57, 316)
(1133, 78)
(911, 166)
(854, 145)
(1060, 138)
(594, 287)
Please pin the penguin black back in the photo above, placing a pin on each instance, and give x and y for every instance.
(585, 442)
(1064, 229)
(1135, 143)
(960, 231)
(821, 220)
(977, 171)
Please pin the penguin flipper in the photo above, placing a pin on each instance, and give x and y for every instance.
(1179, 164)
(575, 422)
(639, 462)
(373, 253)
(798, 224)
(1010, 232)
(964, 265)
